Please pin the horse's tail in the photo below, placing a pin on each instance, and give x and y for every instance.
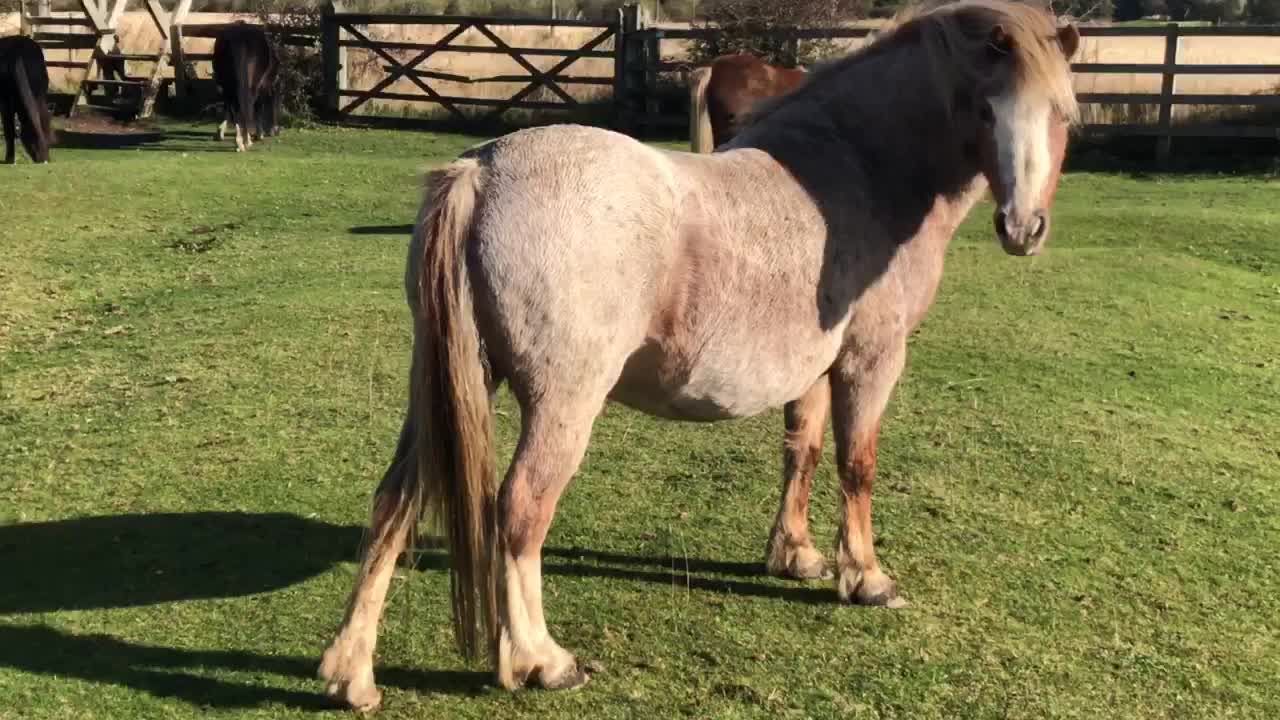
(449, 469)
(700, 135)
(34, 121)
(244, 88)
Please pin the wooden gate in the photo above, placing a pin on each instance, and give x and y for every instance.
(342, 32)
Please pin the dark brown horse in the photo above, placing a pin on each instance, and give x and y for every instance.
(24, 83)
(245, 68)
(721, 94)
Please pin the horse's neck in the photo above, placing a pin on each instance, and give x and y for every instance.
(882, 121)
(919, 263)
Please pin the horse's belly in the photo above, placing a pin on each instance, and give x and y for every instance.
(719, 386)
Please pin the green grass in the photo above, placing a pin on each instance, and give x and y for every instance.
(202, 372)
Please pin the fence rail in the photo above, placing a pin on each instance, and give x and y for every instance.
(641, 73)
(641, 108)
(341, 32)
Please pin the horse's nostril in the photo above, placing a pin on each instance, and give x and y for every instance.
(1002, 225)
(1040, 226)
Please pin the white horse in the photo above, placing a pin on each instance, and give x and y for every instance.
(788, 269)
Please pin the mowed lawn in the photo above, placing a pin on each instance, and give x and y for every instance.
(203, 359)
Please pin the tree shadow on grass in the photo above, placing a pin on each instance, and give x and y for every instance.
(116, 561)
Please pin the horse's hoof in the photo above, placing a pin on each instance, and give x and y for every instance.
(363, 700)
(798, 562)
(571, 678)
(891, 600)
(877, 590)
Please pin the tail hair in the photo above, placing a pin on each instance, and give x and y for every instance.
(448, 474)
(701, 138)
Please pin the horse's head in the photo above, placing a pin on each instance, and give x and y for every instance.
(1024, 105)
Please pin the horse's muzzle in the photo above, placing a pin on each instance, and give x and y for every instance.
(1021, 235)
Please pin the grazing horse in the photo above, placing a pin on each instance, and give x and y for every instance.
(722, 94)
(24, 85)
(579, 265)
(245, 67)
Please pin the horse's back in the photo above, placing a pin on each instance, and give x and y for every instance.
(688, 281)
(20, 47)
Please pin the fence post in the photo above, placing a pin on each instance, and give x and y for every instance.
(652, 56)
(624, 54)
(1164, 143)
(179, 61)
(330, 58)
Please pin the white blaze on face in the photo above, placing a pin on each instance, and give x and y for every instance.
(1022, 145)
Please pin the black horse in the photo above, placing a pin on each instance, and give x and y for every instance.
(24, 85)
(245, 67)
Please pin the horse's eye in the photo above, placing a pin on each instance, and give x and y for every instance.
(985, 113)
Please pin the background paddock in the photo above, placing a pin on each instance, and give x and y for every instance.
(201, 381)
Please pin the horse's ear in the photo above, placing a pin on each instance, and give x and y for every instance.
(1000, 42)
(1069, 40)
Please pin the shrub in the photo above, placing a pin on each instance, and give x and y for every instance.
(300, 82)
(742, 25)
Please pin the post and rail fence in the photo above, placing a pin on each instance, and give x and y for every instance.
(640, 77)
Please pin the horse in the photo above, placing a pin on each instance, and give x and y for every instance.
(722, 94)
(245, 67)
(578, 266)
(24, 87)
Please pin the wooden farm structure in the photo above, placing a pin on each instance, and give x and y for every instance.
(96, 28)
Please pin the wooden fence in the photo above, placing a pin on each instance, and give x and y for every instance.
(342, 32)
(646, 83)
(1168, 97)
(641, 107)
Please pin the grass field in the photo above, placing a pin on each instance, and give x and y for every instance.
(202, 370)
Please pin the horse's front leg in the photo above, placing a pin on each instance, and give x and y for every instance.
(551, 447)
(860, 390)
(790, 552)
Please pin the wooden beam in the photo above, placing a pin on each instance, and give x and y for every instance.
(397, 19)
(539, 78)
(160, 17)
(402, 69)
(555, 70)
(1164, 145)
(173, 20)
(483, 49)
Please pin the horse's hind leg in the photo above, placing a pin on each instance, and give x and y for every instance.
(222, 126)
(790, 552)
(347, 665)
(10, 133)
(860, 391)
(551, 447)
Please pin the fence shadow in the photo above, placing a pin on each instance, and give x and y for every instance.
(381, 229)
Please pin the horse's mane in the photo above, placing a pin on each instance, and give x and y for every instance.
(954, 35)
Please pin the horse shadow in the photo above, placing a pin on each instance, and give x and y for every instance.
(119, 561)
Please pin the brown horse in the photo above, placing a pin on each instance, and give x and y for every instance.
(24, 84)
(245, 66)
(722, 94)
(578, 265)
